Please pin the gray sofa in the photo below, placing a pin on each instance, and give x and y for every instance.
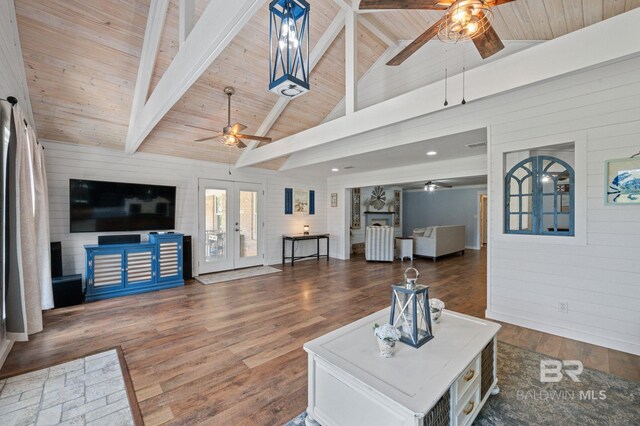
(436, 241)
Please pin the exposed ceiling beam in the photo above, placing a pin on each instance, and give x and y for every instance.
(187, 19)
(548, 60)
(391, 51)
(150, 46)
(318, 51)
(351, 61)
(378, 30)
(221, 21)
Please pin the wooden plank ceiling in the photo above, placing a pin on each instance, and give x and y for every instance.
(81, 59)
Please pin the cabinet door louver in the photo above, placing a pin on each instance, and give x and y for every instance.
(139, 266)
(107, 269)
(168, 259)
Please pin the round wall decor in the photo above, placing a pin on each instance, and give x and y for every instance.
(378, 198)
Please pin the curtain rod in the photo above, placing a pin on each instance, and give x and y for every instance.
(13, 101)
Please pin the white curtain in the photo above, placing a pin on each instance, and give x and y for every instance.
(30, 271)
(42, 223)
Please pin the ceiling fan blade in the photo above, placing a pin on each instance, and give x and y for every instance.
(405, 4)
(255, 138)
(237, 128)
(241, 144)
(201, 128)
(494, 3)
(416, 44)
(488, 43)
(209, 138)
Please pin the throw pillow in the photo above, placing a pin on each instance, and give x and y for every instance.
(428, 231)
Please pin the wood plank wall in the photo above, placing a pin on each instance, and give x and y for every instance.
(66, 161)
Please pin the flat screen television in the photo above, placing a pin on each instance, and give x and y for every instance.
(97, 206)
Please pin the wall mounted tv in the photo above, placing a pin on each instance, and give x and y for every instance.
(97, 206)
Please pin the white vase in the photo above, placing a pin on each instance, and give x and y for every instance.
(387, 347)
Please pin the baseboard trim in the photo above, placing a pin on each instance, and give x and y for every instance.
(471, 248)
(618, 345)
(4, 350)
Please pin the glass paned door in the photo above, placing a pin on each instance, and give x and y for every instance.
(230, 227)
(214, 228)
(249, 227)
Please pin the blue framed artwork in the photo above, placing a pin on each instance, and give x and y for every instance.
(622, 180)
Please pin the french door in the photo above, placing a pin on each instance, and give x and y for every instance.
(230, 225)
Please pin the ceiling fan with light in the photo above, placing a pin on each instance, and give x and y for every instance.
(230, 135)
(433, 185)
(463, 20)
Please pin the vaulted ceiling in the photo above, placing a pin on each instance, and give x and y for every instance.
(82, 57)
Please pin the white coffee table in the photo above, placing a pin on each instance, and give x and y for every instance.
(351, 384)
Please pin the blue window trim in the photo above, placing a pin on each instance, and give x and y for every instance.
(535, 169)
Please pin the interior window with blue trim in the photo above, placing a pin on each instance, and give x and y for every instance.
(539, 192)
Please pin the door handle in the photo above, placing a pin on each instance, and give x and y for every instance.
(237, 229)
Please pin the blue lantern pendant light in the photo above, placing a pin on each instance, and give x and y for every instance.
(289, 51)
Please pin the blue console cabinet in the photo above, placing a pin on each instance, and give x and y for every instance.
(121, 269)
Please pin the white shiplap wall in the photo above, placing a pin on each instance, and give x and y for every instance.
(598, 271)
(424, 67)
(65, 161)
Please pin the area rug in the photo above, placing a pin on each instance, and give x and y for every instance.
(597, 399)
(94, 390)
(238, 274)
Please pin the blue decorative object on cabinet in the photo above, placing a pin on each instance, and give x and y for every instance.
(122, 269)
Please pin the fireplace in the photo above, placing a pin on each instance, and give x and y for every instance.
(379, 218)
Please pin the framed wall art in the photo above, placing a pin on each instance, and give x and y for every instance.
(622, 180)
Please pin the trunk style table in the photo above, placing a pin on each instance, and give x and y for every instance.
(445, 382)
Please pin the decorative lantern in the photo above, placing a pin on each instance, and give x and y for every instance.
(306, 229)
(289, 51)
(410, 311)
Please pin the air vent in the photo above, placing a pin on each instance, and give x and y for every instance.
(348, 167)
(476, 145)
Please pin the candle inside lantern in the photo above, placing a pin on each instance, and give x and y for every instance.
(306, 229)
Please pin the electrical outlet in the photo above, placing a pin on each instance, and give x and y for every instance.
(563, 307)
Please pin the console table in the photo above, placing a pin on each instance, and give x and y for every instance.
(121, 269)
(444, 382)
(303, 237)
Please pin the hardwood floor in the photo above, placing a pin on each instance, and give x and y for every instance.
(231, 353)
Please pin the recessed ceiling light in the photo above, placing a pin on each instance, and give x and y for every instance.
(335, 170)
(431, 153)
